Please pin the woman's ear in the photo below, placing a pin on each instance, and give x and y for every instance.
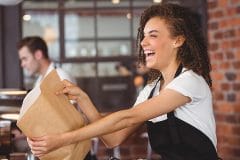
(179, 41)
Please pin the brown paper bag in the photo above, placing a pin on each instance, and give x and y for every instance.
(51, 114)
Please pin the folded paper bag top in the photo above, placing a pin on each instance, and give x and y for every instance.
(51, 114)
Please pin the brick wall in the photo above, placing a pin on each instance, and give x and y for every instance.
(224, 49)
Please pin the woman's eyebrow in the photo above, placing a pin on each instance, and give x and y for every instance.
(152, 31)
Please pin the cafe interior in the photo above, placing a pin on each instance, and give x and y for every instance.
(89, 39)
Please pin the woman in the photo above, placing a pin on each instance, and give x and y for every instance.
(176, 104)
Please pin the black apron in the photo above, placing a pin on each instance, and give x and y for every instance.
(175, 139)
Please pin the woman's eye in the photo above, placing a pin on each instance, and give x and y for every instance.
(152, 35)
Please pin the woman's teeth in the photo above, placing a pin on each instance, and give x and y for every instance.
(149, 54)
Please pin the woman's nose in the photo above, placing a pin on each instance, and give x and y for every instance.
(143, 42)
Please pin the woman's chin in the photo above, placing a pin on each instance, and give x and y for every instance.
(150, 65)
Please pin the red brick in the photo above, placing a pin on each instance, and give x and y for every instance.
(236, 86)
(219, 14)
(229, 33)
(216, 14)
(234, 2)
(216, 85)
(238, 77)
(238, 32)
(220, 117)
(237, 108)
(213, 46)
(224, 129)
(232, 118)
(238, 118)
(230, 55)
(217, 56)
(228, 152)
(229, 140)
(224, 24)
(213, 25)
(223, 3)
(231, 11)
(225, 65)
(236, 65)
(238, 10)
(236, 43)
(235, 21)
(228, 23)
(225, 86)
(217, 76)
(214, 66)
(236, 131)
(238, 55)
(226, 118)
(212, 4)
(225, 44)
(225, 107)
(238, 97)
(218, 35)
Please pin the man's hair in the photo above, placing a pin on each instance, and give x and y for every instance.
(34, 43)
(180, 21)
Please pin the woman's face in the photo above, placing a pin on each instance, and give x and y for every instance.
(158, 45)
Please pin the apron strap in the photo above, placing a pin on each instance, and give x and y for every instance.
(171, 118)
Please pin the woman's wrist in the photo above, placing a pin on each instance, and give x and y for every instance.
(82, 98)
(78, 99)
(64, 141)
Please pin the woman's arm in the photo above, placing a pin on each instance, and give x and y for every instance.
(165, 102)
(93, 115)
(110, 140)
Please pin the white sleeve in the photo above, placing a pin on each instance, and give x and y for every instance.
(144, 93)
(189, 84)
(141, 97)
(63, 75)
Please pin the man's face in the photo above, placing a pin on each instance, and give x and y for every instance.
(28, 61)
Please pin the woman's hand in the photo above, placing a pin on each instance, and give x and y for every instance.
(45, 144)
(72, 91)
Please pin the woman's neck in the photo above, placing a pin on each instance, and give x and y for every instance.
(168, 74)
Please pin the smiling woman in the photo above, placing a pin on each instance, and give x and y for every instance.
(179, 115)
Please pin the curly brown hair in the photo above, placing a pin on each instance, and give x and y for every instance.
(180, 21)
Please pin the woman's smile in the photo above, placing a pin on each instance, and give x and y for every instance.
(149, 54)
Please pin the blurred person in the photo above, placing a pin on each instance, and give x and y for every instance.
(176, 104)
(123, 70)
(140, 77)
(33, 54)
(34, 57)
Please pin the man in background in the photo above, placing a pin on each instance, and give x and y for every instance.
(33, 54)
